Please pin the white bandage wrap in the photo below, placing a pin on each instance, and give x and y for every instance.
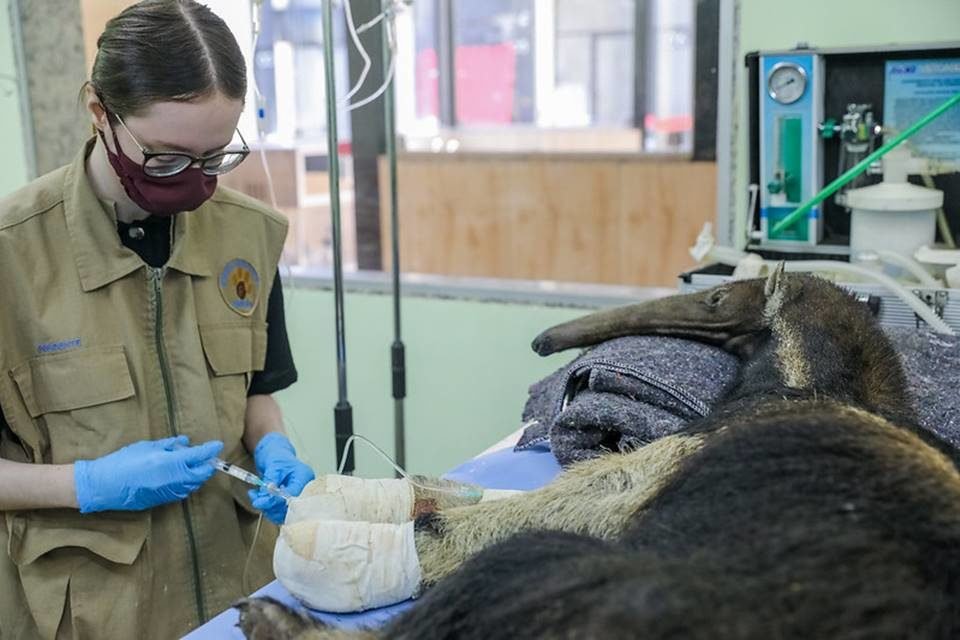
(343, 566)
(336, 497)
(491, 495)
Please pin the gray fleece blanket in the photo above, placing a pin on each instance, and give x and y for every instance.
(630, 391)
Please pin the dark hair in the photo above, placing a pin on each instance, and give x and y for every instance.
(166, 50)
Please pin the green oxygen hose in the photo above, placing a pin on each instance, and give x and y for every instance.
(861, 166)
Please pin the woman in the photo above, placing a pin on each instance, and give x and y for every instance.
(142, 334)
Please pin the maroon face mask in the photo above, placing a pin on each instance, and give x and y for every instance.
(163, 197)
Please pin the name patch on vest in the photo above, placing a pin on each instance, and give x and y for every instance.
(56, 347)
(240, 286)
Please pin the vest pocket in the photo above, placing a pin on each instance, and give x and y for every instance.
(234, 351)
(82, 401)
(54, 550)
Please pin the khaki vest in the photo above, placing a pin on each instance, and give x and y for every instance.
(98, 350)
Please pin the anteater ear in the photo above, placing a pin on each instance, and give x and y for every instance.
(775, 280)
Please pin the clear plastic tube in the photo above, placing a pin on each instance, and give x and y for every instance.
(916, 304)
(461, 490)
(390, 71)
(355, 36)
(911, 266)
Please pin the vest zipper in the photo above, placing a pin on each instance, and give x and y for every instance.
(156, 279)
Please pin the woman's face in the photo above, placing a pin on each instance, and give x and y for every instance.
(199, 127)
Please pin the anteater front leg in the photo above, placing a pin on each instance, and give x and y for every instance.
(595, 498)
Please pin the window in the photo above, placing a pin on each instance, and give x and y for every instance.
(595, 66)
(492, 75)
(547, 75)
(494, 62)
(289, 70)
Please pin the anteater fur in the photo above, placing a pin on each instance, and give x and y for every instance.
(808, 504)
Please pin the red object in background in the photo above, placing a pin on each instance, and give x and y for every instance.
(428, 84)
(486, 83)
(667, 124)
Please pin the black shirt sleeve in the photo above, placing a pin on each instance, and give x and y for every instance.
(279, 371)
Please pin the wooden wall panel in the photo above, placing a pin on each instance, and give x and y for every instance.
(663, 207)
(536, 217)
(96, 14)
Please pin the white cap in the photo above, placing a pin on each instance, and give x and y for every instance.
(895, 193)
(895, 196)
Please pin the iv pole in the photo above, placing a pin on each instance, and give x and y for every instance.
(342, 412)
(397, 349)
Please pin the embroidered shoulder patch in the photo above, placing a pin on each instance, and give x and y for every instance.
(240, 286)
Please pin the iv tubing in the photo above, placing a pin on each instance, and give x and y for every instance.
(945, 230)
(915, 304)
(367, 63)
(862, 166)
(912, 266)
(401, 472)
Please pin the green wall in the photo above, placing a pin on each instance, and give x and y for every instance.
(13, 161)
(468, 368)
(778, 24)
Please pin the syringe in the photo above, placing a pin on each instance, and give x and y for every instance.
(250, 478)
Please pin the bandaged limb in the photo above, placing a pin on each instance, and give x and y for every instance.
(347, 566)
(348, 544)
(337, 497)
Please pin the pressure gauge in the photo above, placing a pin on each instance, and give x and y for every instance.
(786, 82)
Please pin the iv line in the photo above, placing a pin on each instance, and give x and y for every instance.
(465, 490)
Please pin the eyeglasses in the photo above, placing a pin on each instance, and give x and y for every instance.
(165, 164)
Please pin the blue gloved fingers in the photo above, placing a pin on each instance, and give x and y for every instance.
(83, 486)
(291, 474)
(277, 463)
(263, 500)
(200, 454)
(143, 475)
(199, 475)
(277, 515)
(170, 444)
(277, 472)
(298, 479)
(272, 447)
(273, 507)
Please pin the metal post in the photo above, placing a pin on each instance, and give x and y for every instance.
(727, 70)
(641, 65)
(446, 50)
(342, 412)
(15, 13)
(397, 350)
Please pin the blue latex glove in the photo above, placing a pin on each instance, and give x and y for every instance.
(277, 462)
(143, 475)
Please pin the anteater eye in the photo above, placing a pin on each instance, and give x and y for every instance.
(716, 297)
